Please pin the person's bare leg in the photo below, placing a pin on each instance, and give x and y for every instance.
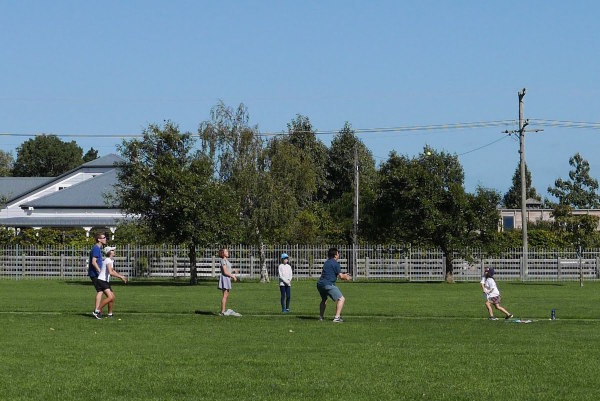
(339, 305)
(224, 300)
(500, 308)
(322, 307)
(109, 298)
(489, 308)
(98, 299)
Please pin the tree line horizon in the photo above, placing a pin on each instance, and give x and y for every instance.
(228, 184)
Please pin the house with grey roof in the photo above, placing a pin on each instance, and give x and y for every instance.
(77, 198)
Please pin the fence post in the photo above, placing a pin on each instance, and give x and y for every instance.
(212, 267)
(175, 266)
(597, 264)
(407, 267)
(22, 264)
(62, 265)
(251, 266)
(559, 264)
(521, 268)
(444, 269)
(366, 266)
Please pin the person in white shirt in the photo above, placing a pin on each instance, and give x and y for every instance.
(106, 271)
(492, 294)
(285, 282)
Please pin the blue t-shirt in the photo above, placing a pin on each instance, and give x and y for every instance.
(95, 253)
(331, 269)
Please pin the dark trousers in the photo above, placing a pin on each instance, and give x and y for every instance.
(285, 296)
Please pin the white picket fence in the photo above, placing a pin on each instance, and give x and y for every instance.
(372, 262)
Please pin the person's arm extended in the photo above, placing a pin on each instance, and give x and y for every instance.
(344, 276)
(114, 273)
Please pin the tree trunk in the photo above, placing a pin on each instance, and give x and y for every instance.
(264, 274)
(193, 273)
(448, 267)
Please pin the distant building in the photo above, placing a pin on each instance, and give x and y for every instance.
(510, 219)
(76, 198)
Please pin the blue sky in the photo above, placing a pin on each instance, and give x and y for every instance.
(113, 67)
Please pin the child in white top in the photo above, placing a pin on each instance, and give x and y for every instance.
(492, 294)
(285, 282)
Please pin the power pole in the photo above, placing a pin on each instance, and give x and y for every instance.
(355, 223)
(522, 125)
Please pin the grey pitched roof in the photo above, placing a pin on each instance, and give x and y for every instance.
(88, 194)
(105, 161)
(13, 187)
(58, 221)
(100, 165)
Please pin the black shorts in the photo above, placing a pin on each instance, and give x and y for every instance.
(103, 285)
(95, 282)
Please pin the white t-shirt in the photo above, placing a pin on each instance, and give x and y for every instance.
(285, 274)
(104, 273)
(490, 287)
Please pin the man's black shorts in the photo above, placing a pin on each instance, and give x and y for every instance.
(95, 282)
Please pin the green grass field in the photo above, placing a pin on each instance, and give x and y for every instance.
(400, 341)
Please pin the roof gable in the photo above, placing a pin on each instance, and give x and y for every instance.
(99, 166)
(87, 194)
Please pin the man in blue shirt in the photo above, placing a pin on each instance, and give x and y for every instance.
(94, 265)
(326, 285)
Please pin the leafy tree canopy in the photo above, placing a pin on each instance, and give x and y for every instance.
(580, 190)
(6, 163)
(422, 200)
(173, 191)
(46, 156)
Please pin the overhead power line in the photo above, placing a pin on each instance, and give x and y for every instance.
(376, 130)
(408, 128)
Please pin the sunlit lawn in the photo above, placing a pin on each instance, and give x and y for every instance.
(399, 341)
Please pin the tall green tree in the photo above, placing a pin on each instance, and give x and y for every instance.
(423, 201)
(512, 198)
(302, 135)
(236, 153)
(580, 190)
(46, 156)
(341, 177)
(6, 163)
(173, 191)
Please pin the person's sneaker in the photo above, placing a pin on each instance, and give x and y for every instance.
(338, 320)
(320, 318)
(510, 315)
(492, 318)
(221, 314)
(109, 316)
(287, 310)
(97, 315)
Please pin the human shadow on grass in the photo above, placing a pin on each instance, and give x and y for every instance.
(529, 283)
(205, 313)
(307, 317)
(151, 283)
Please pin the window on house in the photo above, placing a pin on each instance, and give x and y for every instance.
(508, 223)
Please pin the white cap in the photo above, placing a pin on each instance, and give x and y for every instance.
(107, 249)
